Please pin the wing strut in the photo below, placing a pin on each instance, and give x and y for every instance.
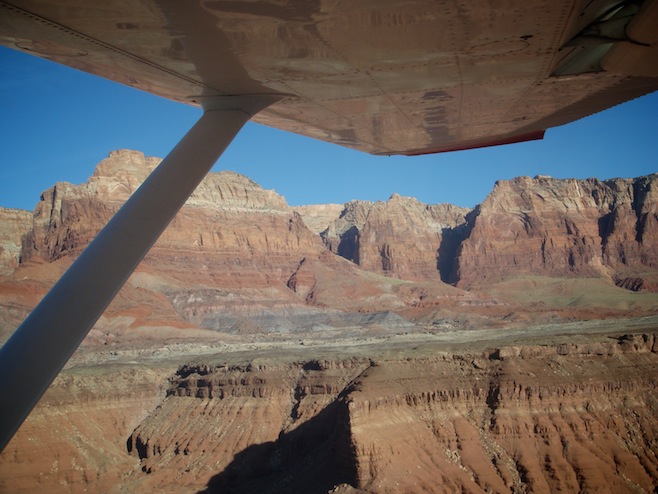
(36, 352)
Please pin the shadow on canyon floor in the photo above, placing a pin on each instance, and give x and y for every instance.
(312, 458)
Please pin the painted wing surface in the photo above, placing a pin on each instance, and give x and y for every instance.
(381, 76)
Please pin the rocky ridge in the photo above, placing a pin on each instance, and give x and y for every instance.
(500, 421)
(237, 259)
(568, 415)
(542, 226)
(562, 228)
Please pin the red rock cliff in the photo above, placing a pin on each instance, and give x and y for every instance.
(562, 228)
(14, 225)
(402, 237)
(568, 417)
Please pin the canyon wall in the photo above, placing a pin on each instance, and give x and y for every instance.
(14, 225)
(563, 228)
(541, 226)
(75, 439)
(227, 214)
(235, 258)
(402, 237)
(564, 417)
(238, 259)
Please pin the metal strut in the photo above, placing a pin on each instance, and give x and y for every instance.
(36, 352)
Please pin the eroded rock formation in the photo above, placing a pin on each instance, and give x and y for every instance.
(75, 440)
(568, 417)
(540, 226)
(237, 259)
(402, 237)
(561, 228)
(14, 225)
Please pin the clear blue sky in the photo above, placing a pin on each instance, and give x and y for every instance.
(57, 123)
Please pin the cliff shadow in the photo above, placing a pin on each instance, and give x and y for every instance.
(312, 459)
(446, 254)
(348, 245)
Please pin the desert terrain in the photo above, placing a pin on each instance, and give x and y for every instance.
(383, 347)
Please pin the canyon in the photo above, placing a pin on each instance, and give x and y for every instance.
(388, 346)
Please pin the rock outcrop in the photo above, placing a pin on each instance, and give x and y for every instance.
(561, 228)
(14, 225)
(68, 216)
(402, 237)
(75, 440)
(568, 417)
(318, 217)
(508, 424)
(235, 258)
(577, 414)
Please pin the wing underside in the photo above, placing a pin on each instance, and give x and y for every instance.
(385, 76)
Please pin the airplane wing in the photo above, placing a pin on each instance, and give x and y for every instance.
(382, 76)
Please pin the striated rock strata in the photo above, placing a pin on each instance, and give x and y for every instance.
(402, 237)
(566, 417)
(75, 439)
(562, 228)
(235, 258)
(14, 225)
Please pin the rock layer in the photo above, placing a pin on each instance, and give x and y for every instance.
(540, 226)
(237, 259)
(75, 439)
(574, 415)
(561, 228)
(14, 225)
(568, 417)
(402, 237)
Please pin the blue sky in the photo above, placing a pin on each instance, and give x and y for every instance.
(56, 123)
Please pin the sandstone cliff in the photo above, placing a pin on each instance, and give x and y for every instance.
(237, 259)
(568, 417)
(562, 228)
(561, 412)
(401, 237)
(75, 440)
(14, 225)
(318, 217)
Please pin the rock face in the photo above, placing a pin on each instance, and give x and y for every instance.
(67, 217)
(402, 237)
(75, 440)
(14, 225)
(318, 217)
(574, 415)
(504, 424)
(561, 228)
(235, 259)
(540, 226)
(568, 417)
